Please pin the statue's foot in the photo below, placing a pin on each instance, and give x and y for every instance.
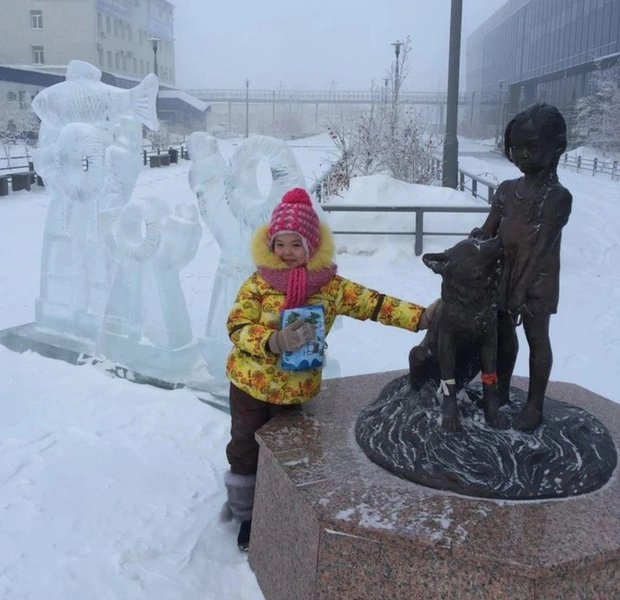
(496, 419)
(528, 419)
(450, 421)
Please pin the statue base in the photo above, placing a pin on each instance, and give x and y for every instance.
(329, 523)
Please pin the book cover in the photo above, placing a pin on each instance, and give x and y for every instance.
(310, 355)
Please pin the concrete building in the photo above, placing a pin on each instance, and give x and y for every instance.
(126, 39)
(539, 50)
(115, 35)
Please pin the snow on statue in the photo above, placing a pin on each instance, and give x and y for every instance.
(89, 157)
(232, 206)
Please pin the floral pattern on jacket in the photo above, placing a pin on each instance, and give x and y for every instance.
(255, 315)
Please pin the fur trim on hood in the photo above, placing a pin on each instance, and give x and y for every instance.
(263, 256)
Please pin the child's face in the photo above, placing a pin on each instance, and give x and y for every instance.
(289, 248)
(530, 152)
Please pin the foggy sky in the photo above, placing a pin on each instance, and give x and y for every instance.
(315, 44)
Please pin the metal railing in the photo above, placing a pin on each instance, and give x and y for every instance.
(419, 211)
(595, 165)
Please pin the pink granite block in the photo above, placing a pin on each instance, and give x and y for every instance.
(329, 523)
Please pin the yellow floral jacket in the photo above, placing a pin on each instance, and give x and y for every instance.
(255, 315)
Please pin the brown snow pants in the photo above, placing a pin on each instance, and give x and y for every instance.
(248, 415)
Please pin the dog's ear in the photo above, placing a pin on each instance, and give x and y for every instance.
(437, 262)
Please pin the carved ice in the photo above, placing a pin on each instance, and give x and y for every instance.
(146, 325)
(232, 206)
(89, 157)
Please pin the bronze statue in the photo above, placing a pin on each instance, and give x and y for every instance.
(462, 337)
(528, 215)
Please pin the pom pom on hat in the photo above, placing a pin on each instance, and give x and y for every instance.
(295, 214)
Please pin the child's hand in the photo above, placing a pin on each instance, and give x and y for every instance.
(292, 337)
(427, 315)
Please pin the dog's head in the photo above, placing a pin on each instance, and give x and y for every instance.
(472, 260)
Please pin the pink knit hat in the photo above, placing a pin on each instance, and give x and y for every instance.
(295, 214)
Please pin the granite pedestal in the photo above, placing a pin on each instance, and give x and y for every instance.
(330, 524)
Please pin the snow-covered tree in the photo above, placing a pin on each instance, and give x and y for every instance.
(597, 116)
(387, 137)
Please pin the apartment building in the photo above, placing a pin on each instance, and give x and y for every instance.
(122, 37)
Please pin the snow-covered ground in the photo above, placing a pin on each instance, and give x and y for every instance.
(111, 491)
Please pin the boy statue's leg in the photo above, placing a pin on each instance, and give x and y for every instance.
(536, 329)
(507, 349)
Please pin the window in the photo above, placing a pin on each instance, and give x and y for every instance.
(117, 28)
(38, 57)
(100, 56)
(135, 65)
(117, 60)
(148, 66)
(36, 19)
(108, 25)
(129, 33)
(11, 96)
(141, 66)
(123, 32)
(109, 59)
(99, 22)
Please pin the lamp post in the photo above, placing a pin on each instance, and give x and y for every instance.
(451, 142)
(397, 44)
(247, 108)
(155, 45)
(499, 112)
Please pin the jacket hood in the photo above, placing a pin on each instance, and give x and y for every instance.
(263, 256)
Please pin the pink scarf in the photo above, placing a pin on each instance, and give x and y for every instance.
(299, 283)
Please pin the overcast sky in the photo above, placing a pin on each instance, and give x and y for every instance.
(315, 44)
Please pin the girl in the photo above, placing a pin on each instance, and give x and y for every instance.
(293, 255)
(528, 214)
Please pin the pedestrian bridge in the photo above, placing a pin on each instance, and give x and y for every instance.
(322, 97)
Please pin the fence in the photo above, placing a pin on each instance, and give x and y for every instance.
(419, 211)
(596, 165)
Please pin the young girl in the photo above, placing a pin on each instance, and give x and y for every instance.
(293, 255)
(528, 214)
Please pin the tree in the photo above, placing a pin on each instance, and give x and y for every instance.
(597, 116)
(386, 137)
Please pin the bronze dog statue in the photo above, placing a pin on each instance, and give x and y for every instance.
(462, 337)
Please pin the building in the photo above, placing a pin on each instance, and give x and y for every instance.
(539, 51)
(116, 35)
(126, 39)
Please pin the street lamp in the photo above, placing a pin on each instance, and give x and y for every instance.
(451, 142)
(397, 44)
(499, 112)
(155, 44)
(247, 108)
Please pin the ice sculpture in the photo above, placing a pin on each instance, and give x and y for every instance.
(146, 326)
(232, 206)
(89, 158)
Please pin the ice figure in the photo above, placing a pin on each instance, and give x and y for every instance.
(232, 206)
(89, 158)
(146, 325)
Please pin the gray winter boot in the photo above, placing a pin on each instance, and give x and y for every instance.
(240, 500)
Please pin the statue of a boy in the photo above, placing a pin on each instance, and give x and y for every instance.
(528, 214)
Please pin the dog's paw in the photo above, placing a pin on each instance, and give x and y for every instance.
(450, 421)
(528, 419)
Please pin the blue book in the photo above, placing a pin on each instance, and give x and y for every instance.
(310, 355)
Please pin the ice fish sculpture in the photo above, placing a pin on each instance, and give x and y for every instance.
(83, 98)
(232, 206)
(89, 156)
(146, 325)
